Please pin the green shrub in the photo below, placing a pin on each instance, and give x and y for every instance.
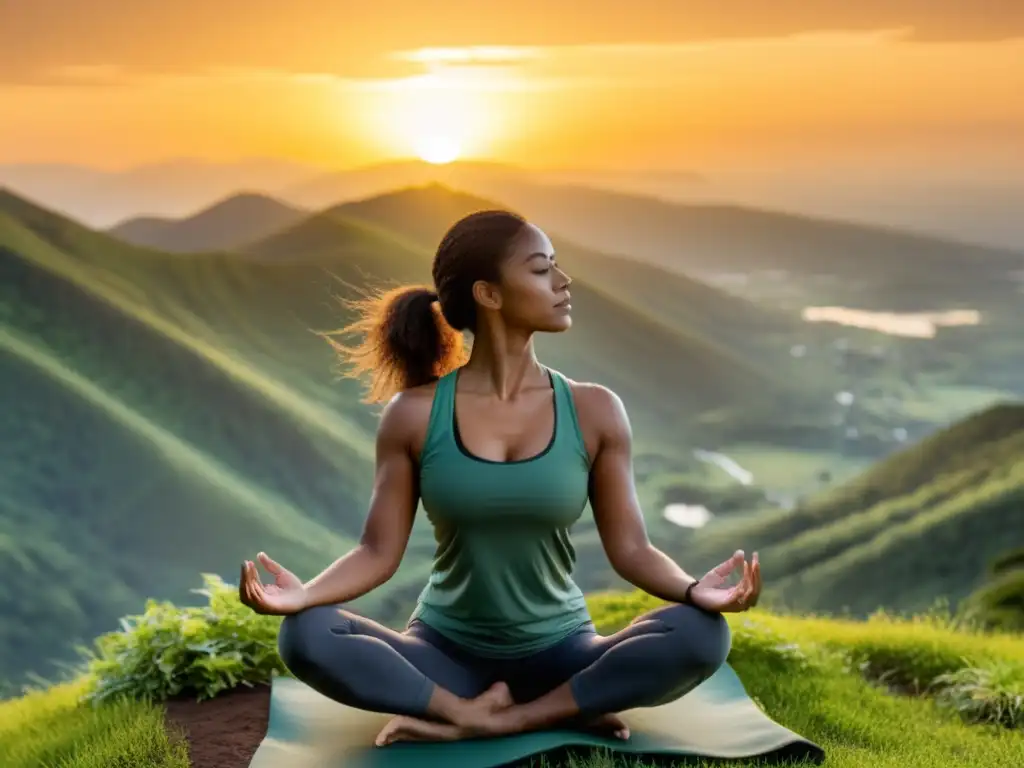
(993, 695)
(194, 651)
(756, 643)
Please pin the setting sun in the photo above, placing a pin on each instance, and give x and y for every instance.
(442, 116)
(438, 148)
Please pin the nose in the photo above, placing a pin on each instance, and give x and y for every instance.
(567, 281)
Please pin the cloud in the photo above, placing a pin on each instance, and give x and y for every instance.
(40, 40)
(471, 55)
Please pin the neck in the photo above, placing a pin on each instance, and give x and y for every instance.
(503, 362)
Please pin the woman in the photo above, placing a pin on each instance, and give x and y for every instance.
(504, 454)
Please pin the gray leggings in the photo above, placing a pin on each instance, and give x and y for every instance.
(659, 657)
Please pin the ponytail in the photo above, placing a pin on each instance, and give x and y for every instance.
(406, 342)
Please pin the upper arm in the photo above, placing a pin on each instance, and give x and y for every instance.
(613, 497)
(395, 484)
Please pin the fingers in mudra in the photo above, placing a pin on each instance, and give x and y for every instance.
(250, 590)
(749, 589)
(717, 575)
(756, 568)
(718, 595)
(286, 594)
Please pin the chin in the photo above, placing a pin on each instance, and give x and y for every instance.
(558, 325)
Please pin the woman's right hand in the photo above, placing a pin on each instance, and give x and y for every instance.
(286, 595)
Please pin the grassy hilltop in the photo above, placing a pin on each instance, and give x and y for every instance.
(922, 693)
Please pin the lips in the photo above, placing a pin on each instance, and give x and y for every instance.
(564, 302)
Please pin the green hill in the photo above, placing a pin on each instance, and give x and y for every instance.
(777, 260)
(722, 330)
(884, 693)
(222, 226)
(175, 413)
(923, 523)
(421, 213)
(139, 448)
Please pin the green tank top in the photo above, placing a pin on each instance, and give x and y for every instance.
(501, 584)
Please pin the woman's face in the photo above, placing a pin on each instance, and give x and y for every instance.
(534, 292)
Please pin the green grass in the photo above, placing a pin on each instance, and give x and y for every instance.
(882, 692)
(53, 729)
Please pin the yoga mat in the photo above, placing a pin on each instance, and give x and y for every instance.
(715, 720)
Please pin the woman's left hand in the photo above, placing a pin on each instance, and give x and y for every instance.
(713, 594)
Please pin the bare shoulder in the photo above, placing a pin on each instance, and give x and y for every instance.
(594, 396)
(405, 417)
(601, 412)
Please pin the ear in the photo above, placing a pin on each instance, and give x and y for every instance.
(487, 295)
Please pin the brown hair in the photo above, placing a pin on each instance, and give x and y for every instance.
(412, 335)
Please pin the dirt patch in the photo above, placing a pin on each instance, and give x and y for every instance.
(225, 731)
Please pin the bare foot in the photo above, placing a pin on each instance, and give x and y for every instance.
(476, 716)
(498, 696)
(410, 729)
(475, 719)
(612, 724)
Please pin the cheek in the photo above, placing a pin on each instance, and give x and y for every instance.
(530, 295)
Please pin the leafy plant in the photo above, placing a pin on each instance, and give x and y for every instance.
(193, 651)
(992, 695)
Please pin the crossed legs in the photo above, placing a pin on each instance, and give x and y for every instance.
(440, 692)
(362, 664)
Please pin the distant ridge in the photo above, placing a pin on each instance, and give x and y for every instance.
(927, 521)
(423, 213)
(913, 271)
(222, 226)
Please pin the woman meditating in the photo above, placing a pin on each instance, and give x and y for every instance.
(504, 454)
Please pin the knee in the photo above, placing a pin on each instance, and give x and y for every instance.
(301, 635)
(700, 640)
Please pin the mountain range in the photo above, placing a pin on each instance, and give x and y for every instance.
(964, 210)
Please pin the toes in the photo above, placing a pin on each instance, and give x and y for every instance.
(387, 733)
(502, 694)
(498, 696)
(612, 724)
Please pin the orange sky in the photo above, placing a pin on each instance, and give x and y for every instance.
(112, 83)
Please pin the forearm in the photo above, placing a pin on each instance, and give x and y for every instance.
(349, 577)
(652, 571)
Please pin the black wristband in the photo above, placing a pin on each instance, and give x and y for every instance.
(689, 589)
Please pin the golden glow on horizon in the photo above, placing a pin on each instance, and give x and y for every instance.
(741, 104)
(438, 149)
(440, 117)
